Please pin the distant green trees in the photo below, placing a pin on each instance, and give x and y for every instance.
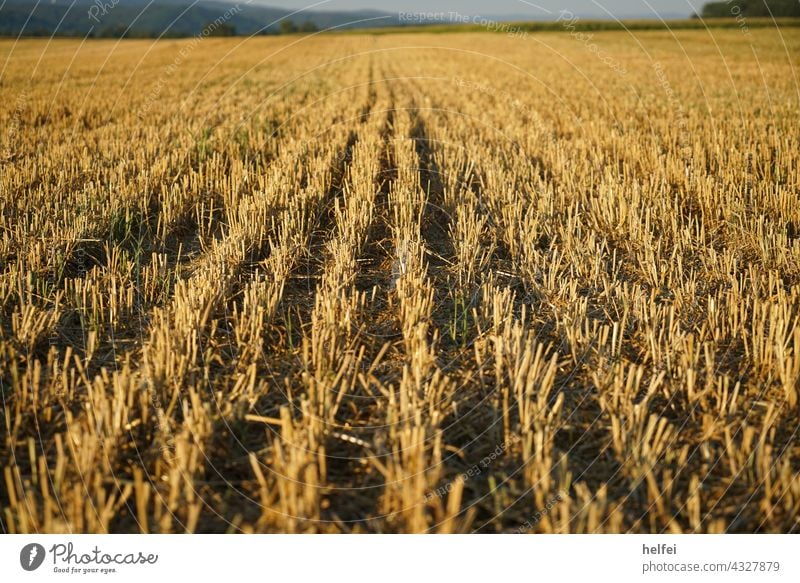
(308, 27)
(117, 31)
(224, 29)
(289, 27)
(734, 8)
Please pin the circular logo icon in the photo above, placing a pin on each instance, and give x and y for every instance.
(31, 556)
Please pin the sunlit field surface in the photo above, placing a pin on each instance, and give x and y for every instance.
(401, 283)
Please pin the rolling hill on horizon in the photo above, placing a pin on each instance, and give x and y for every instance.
(185, 18)
(169, 18)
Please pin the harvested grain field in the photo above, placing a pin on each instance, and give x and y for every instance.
(401, 283)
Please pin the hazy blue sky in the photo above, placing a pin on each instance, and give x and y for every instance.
(651, 8)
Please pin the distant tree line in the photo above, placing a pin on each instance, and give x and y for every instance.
(289, 27)
(734, 8)
(120, 31)
(226, 29)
